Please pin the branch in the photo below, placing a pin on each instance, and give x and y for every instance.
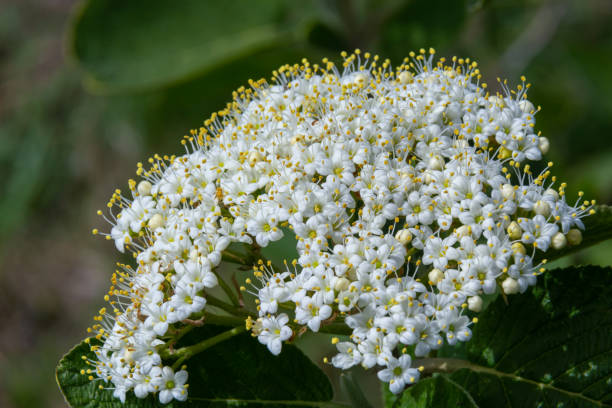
(186, 353)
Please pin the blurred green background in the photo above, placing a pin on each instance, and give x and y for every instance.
(89, 89)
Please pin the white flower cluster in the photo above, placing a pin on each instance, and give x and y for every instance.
(405, 189)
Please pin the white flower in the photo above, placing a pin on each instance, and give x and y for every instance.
(274, 332)
(311, 313)
(537, 231)
(437, 251)
(170, 385)
(348, 355)
(399, 373)
(424, 333)
(455, 326)
(196, 272)
(186, 300)
(264, 227)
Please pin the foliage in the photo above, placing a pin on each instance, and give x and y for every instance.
(550, 347)
(172, 42)
(236, 372)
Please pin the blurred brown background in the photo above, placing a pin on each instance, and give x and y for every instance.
(64, 146)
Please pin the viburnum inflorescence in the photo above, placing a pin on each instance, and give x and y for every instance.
(407, 192)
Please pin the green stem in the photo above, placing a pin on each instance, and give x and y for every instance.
(186, 353)
(226, 307)
(443, 365)
(181, 333)
(232, 321)
(236, 258)
(336, 328)
(228, 291)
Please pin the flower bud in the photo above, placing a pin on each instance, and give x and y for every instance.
(403, 236)
(496, 100)
(427, 177)
(514, 230)
(462, 231)
(360, 79)
(404, 77)
(475, 303)
(436, 163)
(518, 248)
(574, 236)
(553, 193)
(128, 355)
(341, 284)
(558, 241)
(254, 157)
(510, 286)
(144, 188)
(503, 153)
(435, 276)
(542, 208)
(526, 106)
(156, 221)
(544, 144)
(507, 191)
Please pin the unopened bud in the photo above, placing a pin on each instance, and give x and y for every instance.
(156, 221)
(507, 191)
(436, 163)
(503, 153)
(403, 236)
(542, 208)
(510, 286)
(428, 178)
(435, 276)
(404, 77)
(496, 100)
(360, 78)
(574, 236)
(558, 241)
(544, 144)
(462, 231)
(144, 188)
(341, 284)
(518, 248)
(254, 157)
(526, 106)
(128, 355)
(475, 303)
(553, 193)
(514, 230)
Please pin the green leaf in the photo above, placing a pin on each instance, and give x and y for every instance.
(238, 372)
(598, 228)
(135, 45)
(354, 391)
(549, 347)
(436, 391)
